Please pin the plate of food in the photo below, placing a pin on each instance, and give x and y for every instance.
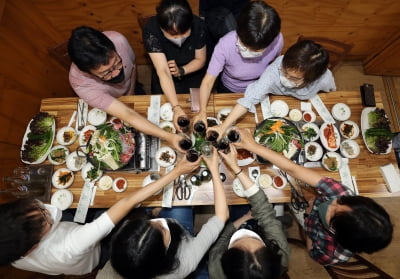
(313, 151)
(62, 178)
(244, 157)
(62, 199)
(150, 179)
(38, 138)
(66, 135)
(167, 126)
(375, 130)
(212, 121)
(97, 116)
(264, 180)
(349, 129)
(111, 148)
(330, 137)
(165, 156)
(58, 154)
(238, 188)
(166, 112)
(105, 182)
(76, 160)
(281, 135)
(341, 112)
(332, 161)
(279, 108)
(85, 135)
(349, 149)
(90, 173)
(120, 184)
(310, 131)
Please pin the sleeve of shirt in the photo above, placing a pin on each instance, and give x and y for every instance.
(201, 41)
(84, 237)
(151, 40)
(331, 189)
(327, 82)
(218, 59)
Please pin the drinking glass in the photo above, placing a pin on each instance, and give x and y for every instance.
(212, 135)
(192, 155)
(185, 143)
(223, 145)
(200, 128)
(206, 149)
(183, 122)
(233, 135)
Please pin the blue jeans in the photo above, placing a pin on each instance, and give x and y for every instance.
(183, 214)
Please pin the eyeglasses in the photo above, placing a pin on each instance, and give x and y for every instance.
(297, 80)
(116, 67)
(45, 213)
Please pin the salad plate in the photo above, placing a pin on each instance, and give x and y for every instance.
(111, 148)
(330, 137)
(38, 139)
(280, 135)
(62, 178)
(279, 108)
(165, 157)
(375, 130)
(349, 129)
(62, 199)
(310, 131)
(85, 135)
(90, 173)
(58, 154)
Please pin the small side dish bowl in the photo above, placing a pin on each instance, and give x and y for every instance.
(313, 151)
(295, 115)
(341, 112)
(264, 180)
(76, 160)
(166, 112)
(212, 121)
(279, 182)
(279, 108)
(62, 178)
(238, 187)
(349, 149)
(105, 183)
(349, 129)
(223, 114)
(309, 116)
(97, 117)
(310, 131)
(167, 126)
(90, 173)
(332, 161)
(120, 184)
(58, 154)
(62, 199)
(150, 179)
(165, 156)
(66, 135)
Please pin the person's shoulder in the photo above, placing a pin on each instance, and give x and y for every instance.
(227, 42)
(113, 34)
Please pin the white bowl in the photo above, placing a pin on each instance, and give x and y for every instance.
(332, 161)
(349, 149)
(349, 129)
(165, 157)
(66, 135)
(223, 114)
(341, 112)
(75, 162)
(62, 199)
(313, 126)
(166, 112)
(279, 182)
(97, 116)
(279, 108)
(167, 126)
(238, 187)
(120, 184)
(313, 151)
(325, 141)
(264, 180)
(85, 135)
(58, 154)
(105, 183)
(295, 115)
(309, 116)
(88, 167)
(62, 178)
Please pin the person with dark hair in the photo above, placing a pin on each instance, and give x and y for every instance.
(253, 246)
(241, 56)
(176, 42)
(338, 224)
(33, 238)
(104, 69)
(301, 73)
(162, 248)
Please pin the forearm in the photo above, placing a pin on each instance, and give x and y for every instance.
(168, 87)
(205, 91)
(237, 112)
(220, 203)
(194, 65)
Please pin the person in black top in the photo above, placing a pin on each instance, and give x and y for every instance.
(176, 42)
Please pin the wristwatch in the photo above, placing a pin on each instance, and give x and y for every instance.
(181, 71)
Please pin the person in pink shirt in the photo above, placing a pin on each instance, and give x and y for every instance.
(104, 69)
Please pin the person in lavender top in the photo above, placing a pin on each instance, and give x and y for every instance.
(241, 56)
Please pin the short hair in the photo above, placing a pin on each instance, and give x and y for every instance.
(174, 16)
(366, 228)
(308, 57)
(89, 48)
(138, 250)
(258, 25)
(262, 264)
(21, 228)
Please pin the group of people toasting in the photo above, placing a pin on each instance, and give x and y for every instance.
(163, 243)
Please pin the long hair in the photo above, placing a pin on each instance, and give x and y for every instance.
(174, 16)
(21, 228)
(138, 250)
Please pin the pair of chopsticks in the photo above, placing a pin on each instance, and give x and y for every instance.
(81, 117)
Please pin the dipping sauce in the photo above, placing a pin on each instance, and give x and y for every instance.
(120, 184)
(279, 182)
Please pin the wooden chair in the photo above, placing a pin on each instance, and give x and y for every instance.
(337, 50)
(60, 54)
(142, 19)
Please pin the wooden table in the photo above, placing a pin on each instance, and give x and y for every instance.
(365, 167)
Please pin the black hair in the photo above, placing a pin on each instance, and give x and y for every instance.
(21, 228)
(138, 250)
(366, 228)
(258, 25)
(307, 57)
(89, 48)
(174, 16)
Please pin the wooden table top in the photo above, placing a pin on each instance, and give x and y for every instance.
(365, 167)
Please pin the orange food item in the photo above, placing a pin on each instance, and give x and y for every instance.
(329, 134)
(276, 128)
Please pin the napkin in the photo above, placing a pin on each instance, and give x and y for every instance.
(84, 202)
(266, 108)
(391, 177)
(345, 175)
(321, 109)
(168, 191)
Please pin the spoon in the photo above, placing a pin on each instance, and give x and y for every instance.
(254, 174)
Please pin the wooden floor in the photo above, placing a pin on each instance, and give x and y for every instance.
(348, 76)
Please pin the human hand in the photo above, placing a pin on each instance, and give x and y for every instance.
(246, 139)
(178, 112)
(200, 116)
(173, 140)
(230, 158)
(219, 129)
(212, 162)
(184, 166)
(173, 68)
(242, 219)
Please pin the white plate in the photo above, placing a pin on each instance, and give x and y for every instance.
(50, 143)
(55, 180)
(223, 114)
(310, 126)
(264, 180)
(166, 112)
(280, 178)
(74, 163)
(337, 159)
(86, 168)
(85, 135)
(66, 135)
(324, 140)
(279, 108)
(97, 116)
(238, 188)
(295, 115)
(105, 183)
(349, 149)
(64, 151)
(168, 152)
(150, 179)
(247, 160)
(365, 126)
(341, 112)
(309, 116)
(62, 199)
(352, 127)
(317, 154)
(118, 188)
(167, 126)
